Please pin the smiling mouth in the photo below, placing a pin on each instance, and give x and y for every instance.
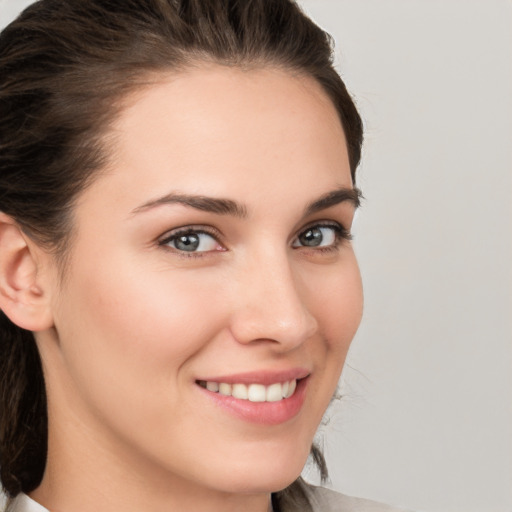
(253, 392)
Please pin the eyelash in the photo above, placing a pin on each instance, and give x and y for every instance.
(196, 230)
(340, 232)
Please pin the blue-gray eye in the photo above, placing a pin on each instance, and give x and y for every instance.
(316, 236)
(192, 242)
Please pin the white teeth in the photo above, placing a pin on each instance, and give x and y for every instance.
(291, 389)
(274, 393)
(257, 393)
(225, 389)
(212, 386)
(254, 392)
(240, 391)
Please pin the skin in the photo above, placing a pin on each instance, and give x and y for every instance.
(135, 323)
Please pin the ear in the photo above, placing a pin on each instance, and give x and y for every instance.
(22, 297)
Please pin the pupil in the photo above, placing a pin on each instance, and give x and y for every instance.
(311, 237)
(187, 242)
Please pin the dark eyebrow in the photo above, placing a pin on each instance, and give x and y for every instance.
(229, 207)
(203, 203)
(352, 195)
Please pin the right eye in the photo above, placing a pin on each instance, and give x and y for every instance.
(191, 241)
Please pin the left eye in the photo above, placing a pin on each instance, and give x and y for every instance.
(316, 236)
(191, 242)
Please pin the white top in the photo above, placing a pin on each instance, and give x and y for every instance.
(22, 503)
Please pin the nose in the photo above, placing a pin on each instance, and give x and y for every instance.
(271, 304)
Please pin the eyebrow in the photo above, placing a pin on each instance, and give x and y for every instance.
(341, 195)
(222, 206)
(206, 204)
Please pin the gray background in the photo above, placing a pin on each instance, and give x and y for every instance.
(425, 420)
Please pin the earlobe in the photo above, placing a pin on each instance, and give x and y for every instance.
(22, 297)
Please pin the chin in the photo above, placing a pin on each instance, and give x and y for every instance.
(260, 483)
(268, 472)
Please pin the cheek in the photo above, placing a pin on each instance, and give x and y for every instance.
(337, 303)
(134, 341)
(335, 298)
(345, 308)
(135, 330)
(161, 316)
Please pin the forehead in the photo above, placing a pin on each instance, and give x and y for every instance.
(219, 130)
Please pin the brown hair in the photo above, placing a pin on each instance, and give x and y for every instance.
(65, 66)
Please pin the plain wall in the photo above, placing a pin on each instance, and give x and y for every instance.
(425, 420)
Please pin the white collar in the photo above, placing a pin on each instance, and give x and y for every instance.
(22, 503)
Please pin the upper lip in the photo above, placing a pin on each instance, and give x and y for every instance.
(265, 377)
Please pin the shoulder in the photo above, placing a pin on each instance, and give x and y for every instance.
(326, 500)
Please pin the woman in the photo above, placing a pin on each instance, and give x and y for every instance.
(177, 284)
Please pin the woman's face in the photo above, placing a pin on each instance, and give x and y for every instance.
(209, 260)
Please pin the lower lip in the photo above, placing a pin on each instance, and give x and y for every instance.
(263, 413)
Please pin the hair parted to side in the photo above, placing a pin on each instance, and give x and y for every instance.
(65, 68)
